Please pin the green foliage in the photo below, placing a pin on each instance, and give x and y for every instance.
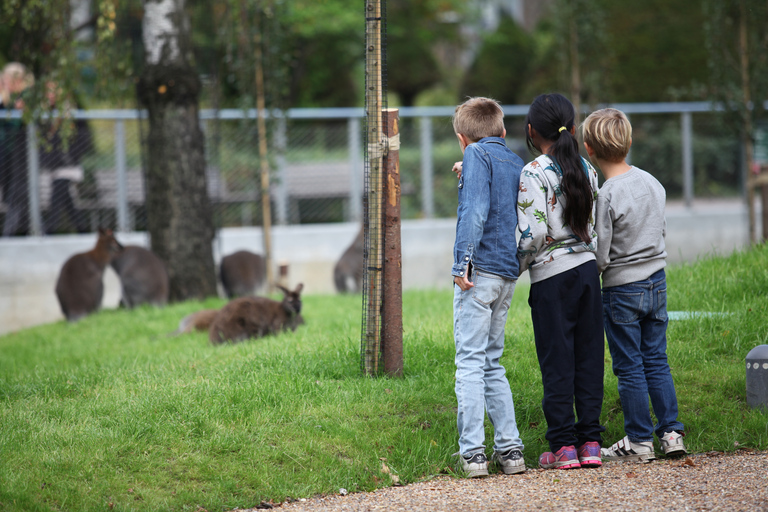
(110, 412)
(738, 75)
(500, 69)
(658, 50)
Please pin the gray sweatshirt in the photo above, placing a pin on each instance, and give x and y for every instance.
(630, 227)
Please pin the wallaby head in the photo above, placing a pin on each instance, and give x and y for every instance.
(107, 246)
(292, 299)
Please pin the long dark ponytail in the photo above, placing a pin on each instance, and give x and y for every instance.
(552, 116)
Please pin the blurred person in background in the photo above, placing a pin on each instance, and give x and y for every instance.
(61, 154)
(14, 80)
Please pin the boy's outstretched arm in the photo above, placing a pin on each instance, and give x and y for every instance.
(457, 169)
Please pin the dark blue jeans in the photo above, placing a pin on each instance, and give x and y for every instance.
(568, 328)
(636, 320)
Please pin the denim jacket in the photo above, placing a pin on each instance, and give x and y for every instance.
(487, 213)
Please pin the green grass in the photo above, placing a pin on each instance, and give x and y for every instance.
(111, 414)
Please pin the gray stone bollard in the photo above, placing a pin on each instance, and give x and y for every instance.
(757, 377)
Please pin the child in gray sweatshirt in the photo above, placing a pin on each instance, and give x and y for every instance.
(631, 256)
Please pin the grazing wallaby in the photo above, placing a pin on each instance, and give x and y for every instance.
(80, 286)
(242, 273)
(253, 317)
(143, 277)
(348, 272)
(197, 321)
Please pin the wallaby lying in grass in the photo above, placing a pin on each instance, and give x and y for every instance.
(197, 321)
(242, 273)
(253, 317)
(143, 277)
(80, 286)
(348, 272)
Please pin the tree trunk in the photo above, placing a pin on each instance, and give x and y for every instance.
(179, 213)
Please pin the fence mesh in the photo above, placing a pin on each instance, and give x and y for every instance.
(317, 172)
(375, 103)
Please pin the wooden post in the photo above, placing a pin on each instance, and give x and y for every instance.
(392, 309)
(747, 131)
(261, 126)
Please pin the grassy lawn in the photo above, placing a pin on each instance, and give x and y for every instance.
(112, 414)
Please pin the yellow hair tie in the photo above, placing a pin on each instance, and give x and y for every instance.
(561, 129)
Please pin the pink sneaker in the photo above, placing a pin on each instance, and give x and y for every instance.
(564, 458)
(589, 455)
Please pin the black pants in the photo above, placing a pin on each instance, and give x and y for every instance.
(61, 202)
(568, 327)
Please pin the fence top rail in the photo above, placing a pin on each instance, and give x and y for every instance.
(354, 112)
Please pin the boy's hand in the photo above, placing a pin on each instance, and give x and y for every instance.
(464, 283)
(457, 169)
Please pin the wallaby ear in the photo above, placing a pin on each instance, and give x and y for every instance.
(299, 288)
(282, 289)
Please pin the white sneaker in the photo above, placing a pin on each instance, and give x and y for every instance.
(511, 462)
(475, 466)
(672, 444)
(626, 450)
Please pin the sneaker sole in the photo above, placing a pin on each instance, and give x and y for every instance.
(513, 471)
(476, 473)
(678, 452)
(640, 458)
(590, 462)
(568, 464)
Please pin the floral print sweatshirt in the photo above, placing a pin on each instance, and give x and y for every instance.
(547, 245)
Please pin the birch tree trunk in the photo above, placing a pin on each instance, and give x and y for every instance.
(179, 215)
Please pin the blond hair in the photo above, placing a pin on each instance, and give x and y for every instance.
(479, 117)
(608, 133)
(14, 78)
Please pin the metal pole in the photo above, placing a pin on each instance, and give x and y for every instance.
(355, 143)
(123, 222)
(33, 183)
(687, 136)
(427, 169)
(629, 153)
(281, 195)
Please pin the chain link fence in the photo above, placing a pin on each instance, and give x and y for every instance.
(316, 156)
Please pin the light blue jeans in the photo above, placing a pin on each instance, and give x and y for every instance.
(479, 315)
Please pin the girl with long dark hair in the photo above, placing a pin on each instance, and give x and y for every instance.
(557, 246)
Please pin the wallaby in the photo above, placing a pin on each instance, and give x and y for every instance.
(253, 317)
(143, 277)
(348, 272)
(80, 286)
(197, 321)
(242, 273)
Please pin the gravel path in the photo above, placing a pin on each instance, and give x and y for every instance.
(712, 481)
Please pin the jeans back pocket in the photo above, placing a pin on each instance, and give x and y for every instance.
(625, 307)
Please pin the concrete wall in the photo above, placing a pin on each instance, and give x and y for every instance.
(29, 266)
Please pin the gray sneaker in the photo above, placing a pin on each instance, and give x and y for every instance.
(626, 450)
(475, 466)
(672, 444)
(510, 462)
